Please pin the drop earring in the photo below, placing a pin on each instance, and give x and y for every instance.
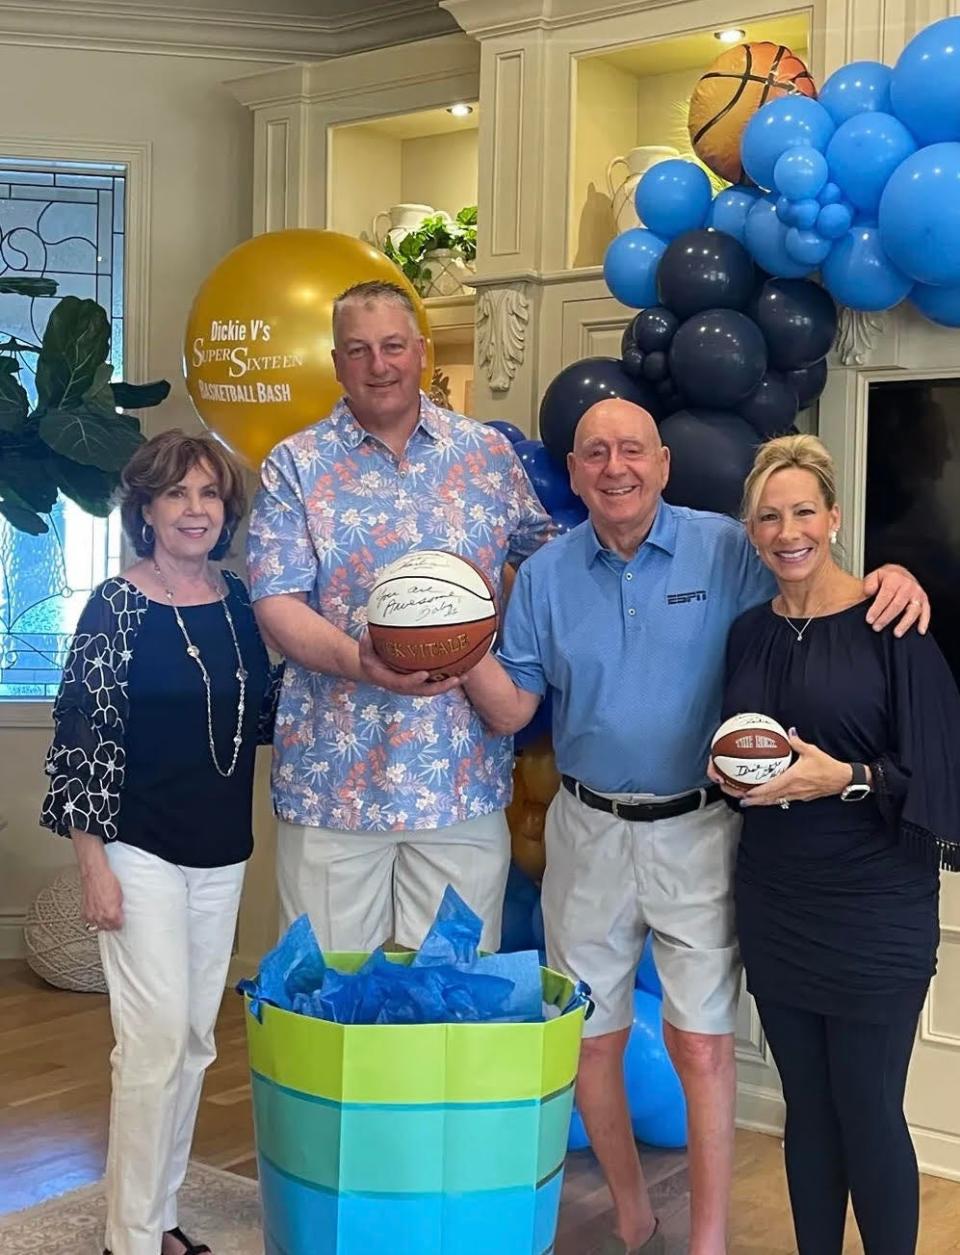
(833, 538)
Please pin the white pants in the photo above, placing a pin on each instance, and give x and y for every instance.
(165, 970)
(362, 889)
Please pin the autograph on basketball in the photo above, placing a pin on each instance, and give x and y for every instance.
(418, 603)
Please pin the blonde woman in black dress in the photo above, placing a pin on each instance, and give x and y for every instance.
(838, 867)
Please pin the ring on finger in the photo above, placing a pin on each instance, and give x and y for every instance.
(783, 803)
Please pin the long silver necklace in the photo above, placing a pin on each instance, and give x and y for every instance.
(241, 674)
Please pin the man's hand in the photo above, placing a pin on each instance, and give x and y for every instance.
(417, 684)
(895, 594)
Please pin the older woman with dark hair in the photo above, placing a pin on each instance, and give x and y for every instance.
(166, 692)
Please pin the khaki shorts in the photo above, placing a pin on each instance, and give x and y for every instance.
(362, 889)
(611, 881)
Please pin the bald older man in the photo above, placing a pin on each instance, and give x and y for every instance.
(625, 620)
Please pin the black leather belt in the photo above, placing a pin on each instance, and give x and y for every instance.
(644, 812)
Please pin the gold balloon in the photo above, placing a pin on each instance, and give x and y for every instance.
(535, 781)
(538, 771)
(257, 350)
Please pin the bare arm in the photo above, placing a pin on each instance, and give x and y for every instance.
(502, 705)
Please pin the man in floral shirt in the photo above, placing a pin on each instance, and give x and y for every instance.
(388, 787)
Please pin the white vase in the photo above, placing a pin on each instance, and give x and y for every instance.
(448, 272)
(623, 175)
(398, 221)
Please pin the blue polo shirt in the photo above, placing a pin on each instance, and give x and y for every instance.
(633, 652)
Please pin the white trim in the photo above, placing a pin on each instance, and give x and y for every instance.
(760, 1109)
(11, 934)
(113, 26)
(138, 160)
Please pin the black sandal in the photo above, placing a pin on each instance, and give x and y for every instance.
(192, 1248)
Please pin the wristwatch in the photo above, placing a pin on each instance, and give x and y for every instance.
(858, 788)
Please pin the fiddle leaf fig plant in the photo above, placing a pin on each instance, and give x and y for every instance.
(76, 439)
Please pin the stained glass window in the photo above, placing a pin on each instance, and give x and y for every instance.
(63, 220)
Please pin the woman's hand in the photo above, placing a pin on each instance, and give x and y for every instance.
(731, 790)
(814, 774)
(101, 895)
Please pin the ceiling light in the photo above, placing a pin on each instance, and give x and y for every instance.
(731, 36)
(460, 110)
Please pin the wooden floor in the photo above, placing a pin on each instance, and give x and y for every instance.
(53, 1103)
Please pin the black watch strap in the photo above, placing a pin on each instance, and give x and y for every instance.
(859, 773)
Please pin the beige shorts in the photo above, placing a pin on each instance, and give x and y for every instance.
(611, 881)
(362, 889)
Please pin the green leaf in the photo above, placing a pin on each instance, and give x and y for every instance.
(27, 287)
(140, 396)
(14, 405)
(28, 482)
(99, 396)
(75, 343)
(90, 438)
(9, 365)
(92, 489)
(467, 216)
(22, 519)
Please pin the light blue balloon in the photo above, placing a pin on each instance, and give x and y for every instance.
(765, 239)
(672, 197)
(785, 210)
(925, 84)
(630, 267)
(920, 215)
(859, 273)
(805, 213)
(728, 213)
(864, 152)
(788, 122)
(830, 194)
(860, 87)
(834, 220)
(800, 173)
(940, 305)
(806, 247)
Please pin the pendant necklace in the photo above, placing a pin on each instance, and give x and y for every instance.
(798, 632)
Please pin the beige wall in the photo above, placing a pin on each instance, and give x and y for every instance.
(201, 169)
(366, 178)
(441, 170)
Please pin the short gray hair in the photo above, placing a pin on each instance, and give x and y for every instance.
(375, 292)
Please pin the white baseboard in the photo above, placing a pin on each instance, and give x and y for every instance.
(759, 1109)
(11, 934)
(937, 1153)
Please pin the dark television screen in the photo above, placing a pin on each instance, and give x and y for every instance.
(913, 493)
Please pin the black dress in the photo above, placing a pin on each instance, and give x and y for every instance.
(837, 902)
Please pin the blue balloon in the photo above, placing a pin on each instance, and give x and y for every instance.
(519, 900)
(785, 210)
(834, 220)
(766, 242)
(920, 215)
(542, 722)
(550, 481)
(569, 517)
(859, 273)
(806, 247)
(653, 1088)
(860, 87)
(788, 122)
(578, 1138)
(925, 83)
(672, 197)
(941, 305)
(800, 173)
(666, 1128)
(728, 213)
(647, 976)
(510, 430)
(829, 194)
(864, 152)
(630, 267)
(805, 213)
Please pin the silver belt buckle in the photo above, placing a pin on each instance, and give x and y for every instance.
(615, 806)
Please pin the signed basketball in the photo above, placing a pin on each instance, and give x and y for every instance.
(749, 750)
(432, 611)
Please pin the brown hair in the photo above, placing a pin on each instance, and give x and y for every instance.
(805, 453)
(163, 462)
(373, 292)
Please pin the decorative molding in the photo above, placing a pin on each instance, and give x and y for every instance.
(760, 1109)
(484, 19)
(11, 934)
(857, 335)
(248, 35)
(502, 317)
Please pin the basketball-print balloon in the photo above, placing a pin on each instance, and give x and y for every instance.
(736, 85)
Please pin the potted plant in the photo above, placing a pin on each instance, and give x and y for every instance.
(438, 255)
(77, 438)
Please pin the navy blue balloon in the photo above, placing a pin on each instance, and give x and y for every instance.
(940, 305)
(784, 123)
(672, 197)
(863, 154)
(766, 239)
(517, 928)
(711, 454)
(729, 210)
(510, 430)
(550, 482)
(860, 87)
(798, 320)
(920, 214)
(772, 406)
(808, 382)
(717, 358)
(566, 518)
(653, 329)
(705, 270)
(859, 273)
(656, 367)
(925, 84)
(630, 267)
(541, 723)
(578, 387)
(632, 360)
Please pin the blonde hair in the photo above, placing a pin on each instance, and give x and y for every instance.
(805, 453)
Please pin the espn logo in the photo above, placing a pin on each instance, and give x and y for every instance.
(681, 599)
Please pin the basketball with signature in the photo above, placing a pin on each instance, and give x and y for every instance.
(432, 611)
(750, 749)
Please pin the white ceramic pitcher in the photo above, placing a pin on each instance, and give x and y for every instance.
(398, 221)
(623, 175)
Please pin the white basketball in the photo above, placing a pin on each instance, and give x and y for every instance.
(750, 749)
